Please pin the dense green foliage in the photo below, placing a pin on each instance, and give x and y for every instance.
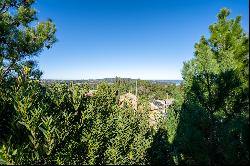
(20, 41)
(61, 124)
(146, 90)
(214, 119)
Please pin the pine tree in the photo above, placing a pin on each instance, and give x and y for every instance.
(215, 112)
(20, 41)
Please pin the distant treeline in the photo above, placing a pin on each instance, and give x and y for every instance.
(110, 80)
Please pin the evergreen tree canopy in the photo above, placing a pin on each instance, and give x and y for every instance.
(21, 38)
(215, 110)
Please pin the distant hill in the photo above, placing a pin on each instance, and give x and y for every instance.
(177, 82)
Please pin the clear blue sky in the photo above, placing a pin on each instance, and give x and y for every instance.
(146, 39)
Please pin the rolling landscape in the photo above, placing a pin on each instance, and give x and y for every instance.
(109, 80)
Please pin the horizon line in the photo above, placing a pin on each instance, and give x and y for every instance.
(110, 78)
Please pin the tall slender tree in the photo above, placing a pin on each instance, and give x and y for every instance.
(22, 38)
(216, 102)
